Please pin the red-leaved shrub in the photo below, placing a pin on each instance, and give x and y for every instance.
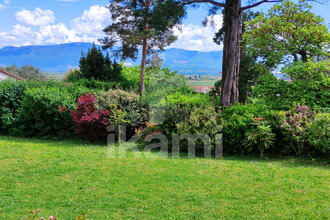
(90, 123)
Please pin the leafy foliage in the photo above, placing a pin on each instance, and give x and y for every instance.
(124, 107)
(28, 72)
(237, 120)
(162, 83)
(11, 93)
(249, 72)
(279, 94)
(261, 135)
(294, 126)
(90, 123)
(288, 29)
(38, 114)
(202, 121)
(95, 65)
(311, 71)
(318, 132)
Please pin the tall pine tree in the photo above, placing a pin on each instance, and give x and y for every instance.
(146, 23)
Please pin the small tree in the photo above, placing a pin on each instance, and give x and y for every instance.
(261, 135)
(95, 65)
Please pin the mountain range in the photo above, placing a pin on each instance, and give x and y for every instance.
(60, 58)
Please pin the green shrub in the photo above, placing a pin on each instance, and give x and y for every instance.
(128, 102)
(176, 107)
(319, 133)
(73, 75)
(201, 121)
(260, 136)
(190, 98)
(237, 120)
(283, 95)
(95, 84)
(39, 113)
(11, 93)
(131, 78)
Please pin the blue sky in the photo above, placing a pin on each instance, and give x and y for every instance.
(44, 22)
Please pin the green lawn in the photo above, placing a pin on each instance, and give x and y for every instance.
(66, 178)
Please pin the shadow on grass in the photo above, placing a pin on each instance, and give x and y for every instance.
(74, 142)
(289, 161)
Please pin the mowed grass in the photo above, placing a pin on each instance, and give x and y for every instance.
(66, 178)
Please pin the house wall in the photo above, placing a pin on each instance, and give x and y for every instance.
(3, 76)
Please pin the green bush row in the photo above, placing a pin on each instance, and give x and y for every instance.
(32, 109)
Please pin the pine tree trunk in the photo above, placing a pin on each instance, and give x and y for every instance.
(231, 53)
(143, 65)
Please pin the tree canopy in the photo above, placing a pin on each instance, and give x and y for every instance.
(288, 32)
(28, 72)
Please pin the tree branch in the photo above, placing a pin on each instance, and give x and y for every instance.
(188, 2)
(259, 3)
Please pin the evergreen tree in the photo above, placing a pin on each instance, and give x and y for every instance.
(95, 65)
(146, 23)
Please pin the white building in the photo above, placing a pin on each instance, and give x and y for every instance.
(4, 74)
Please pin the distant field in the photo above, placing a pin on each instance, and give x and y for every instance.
(201, 83)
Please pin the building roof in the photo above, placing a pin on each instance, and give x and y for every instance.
(10, 74)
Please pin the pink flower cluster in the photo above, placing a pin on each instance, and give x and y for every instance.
(294, 123)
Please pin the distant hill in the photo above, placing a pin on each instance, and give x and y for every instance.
(62, 57)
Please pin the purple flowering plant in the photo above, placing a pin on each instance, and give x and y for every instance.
(294, 124)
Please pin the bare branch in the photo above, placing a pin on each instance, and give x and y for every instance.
(274, 1)
(188, 2)
(259, 3)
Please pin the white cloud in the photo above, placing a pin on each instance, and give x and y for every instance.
(5, 2)
(55, 34)
(92, 22)
(37, 17)
(86, 28)
(197, 37)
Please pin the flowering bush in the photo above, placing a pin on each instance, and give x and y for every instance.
(294, 125)
(89, 122)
